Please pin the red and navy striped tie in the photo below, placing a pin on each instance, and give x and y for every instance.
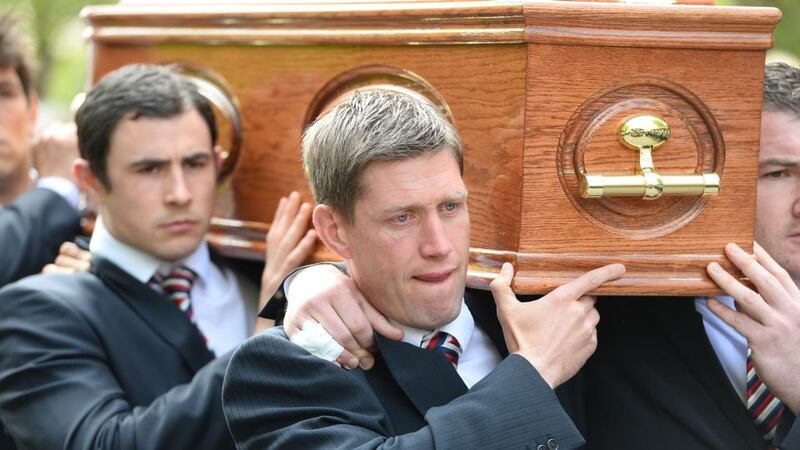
(764, 408)
(177, 286)
(444, 343)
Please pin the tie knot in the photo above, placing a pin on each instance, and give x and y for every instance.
(444, 343)
(177, 287)
(179, 279)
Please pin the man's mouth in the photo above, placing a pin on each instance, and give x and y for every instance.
(180, 225)
(434, 277)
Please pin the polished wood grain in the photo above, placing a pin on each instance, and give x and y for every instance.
(537, 90)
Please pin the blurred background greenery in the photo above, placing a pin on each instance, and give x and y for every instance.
(61, 49)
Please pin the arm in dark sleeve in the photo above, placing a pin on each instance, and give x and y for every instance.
(31, 231)
(276, 395)
(58, 391)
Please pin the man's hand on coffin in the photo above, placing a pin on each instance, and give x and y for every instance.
(289, 243)
(70, 259)
(324, 294)
(558, 332)
(769, 318)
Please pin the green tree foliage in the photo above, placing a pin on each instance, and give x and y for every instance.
(55, 28)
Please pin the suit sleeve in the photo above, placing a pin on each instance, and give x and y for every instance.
(58, 391)
(278, 396)
(31, 232)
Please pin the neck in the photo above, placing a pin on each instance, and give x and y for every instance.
(15, 185)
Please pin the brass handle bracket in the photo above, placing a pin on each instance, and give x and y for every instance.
(645, 134)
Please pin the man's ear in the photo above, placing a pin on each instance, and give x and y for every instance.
(330, 229)
(87, 181)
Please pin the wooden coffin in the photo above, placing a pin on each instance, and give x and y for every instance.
(539, 91)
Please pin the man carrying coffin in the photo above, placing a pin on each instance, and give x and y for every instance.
(386, 172)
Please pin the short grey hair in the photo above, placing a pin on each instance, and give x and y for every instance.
(374, 125)
(782, 88)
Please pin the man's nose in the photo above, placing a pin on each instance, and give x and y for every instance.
(178, 192)
(796, 199)
(435, 241)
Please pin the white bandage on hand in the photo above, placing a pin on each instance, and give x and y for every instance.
(315, 340)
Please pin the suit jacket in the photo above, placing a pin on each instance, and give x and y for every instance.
(32, 229)
(276, 395)
(655, 382)
(100, 360)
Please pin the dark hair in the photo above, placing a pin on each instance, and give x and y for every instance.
(132, 92)
(782, 88)
(15, 53)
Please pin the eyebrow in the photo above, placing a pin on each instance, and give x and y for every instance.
(149, 162)
(459, 196)
(780, 162)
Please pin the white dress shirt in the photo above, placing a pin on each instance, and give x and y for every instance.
(478, 354)
(220, 311)
(728, 344)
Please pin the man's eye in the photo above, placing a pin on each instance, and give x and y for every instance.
(147, 170)
(7, 91)
(777, 174)
(401, 218)
(198, 164)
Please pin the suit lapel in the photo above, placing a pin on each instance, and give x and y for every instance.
(426, 377)
(157, 312)
(692, 345)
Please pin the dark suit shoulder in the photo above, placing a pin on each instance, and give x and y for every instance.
(80, 370)
(273, 351)
(272, 386)
(75, 291)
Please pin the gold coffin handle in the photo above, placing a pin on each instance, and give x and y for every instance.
(645, 134)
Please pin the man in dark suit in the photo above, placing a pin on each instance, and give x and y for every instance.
(386, 173)
(132, 354)
(35, 216)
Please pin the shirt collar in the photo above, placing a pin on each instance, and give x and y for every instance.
(461, 328)
(139, 264)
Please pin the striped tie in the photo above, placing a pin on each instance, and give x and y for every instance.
(177, 286)
(764, 408)
(445, 343)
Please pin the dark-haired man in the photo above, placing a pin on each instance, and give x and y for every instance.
(131, 355)
(35, 216)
